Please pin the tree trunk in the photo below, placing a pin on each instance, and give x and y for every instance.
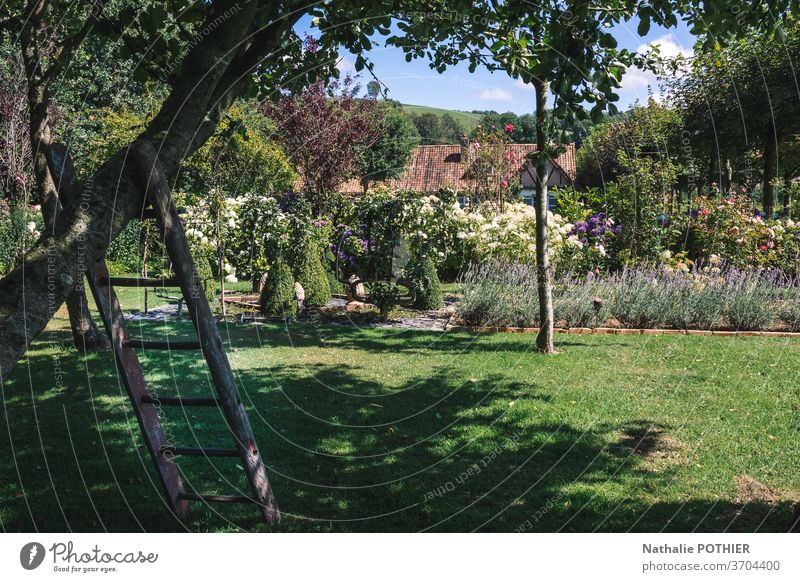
(544, 273)
(213, 74)
(86, 337)
(770, 168)
(32, 293)
(727, 176)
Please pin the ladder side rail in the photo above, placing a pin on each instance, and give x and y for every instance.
(145, 158)
(130, 369)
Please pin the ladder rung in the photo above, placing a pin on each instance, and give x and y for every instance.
(159, 345)
(139, 281)
(179, 401)
(217, 498)
(199, 452)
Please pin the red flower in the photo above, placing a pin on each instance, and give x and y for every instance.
(504, 184)
(763, 248)
(509, 127)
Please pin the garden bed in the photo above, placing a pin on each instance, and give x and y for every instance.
(716, 299)
(625, 331)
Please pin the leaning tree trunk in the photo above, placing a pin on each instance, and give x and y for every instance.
(213, 74)
(544, 273)
(32, 293)
(85, 335)
(770, 168)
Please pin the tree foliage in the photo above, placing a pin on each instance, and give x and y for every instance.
(436, 129)
(652, 130)
(737, 99)
(388, 156)
(325, 131)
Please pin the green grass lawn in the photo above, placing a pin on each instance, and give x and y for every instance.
(404, 430)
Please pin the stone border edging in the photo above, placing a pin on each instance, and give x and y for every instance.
(624, 331)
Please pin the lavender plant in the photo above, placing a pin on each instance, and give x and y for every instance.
(504, 294)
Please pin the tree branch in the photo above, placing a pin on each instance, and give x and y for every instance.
(63, 54)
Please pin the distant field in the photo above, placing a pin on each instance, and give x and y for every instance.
(469, 120)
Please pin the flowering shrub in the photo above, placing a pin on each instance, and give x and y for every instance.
(588, 244)
(733, 231)
(491, 164)
(509, 235)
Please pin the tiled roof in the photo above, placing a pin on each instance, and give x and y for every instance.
(433, 167)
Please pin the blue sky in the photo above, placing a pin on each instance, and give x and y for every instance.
(415, 83)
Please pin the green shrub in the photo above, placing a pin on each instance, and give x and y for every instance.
(277, 297)
(789, 311)
(385, 295)
(125, 251)
(424, 284)
(312, 276)
(499, 294)
(329, 263)
(206, 275)
(579, 303)
(19, 230)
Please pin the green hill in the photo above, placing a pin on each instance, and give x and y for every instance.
(469, 120)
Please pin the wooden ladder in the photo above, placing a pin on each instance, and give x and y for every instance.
(145, 403)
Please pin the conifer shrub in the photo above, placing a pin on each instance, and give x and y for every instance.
(277, 296)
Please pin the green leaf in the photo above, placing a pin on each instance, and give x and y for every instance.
(140, 75)
(644, 25)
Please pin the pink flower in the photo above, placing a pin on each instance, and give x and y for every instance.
(771, 244)
(509, 127)
(504, 184)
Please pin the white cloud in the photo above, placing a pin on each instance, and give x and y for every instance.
(669, 47)
(638, 80)
(635, 81)
(495, 95)
(345, 65)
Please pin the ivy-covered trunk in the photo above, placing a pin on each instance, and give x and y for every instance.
(544, 272)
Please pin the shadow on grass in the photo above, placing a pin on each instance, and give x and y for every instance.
(345, 453)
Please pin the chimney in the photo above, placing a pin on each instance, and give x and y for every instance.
(464, 149)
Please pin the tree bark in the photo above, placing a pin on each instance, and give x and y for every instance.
(544, 272)
(85, 335)
(770, 168)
